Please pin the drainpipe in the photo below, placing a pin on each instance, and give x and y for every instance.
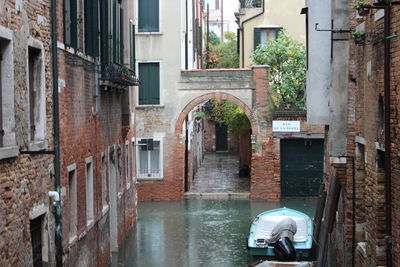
(56, 133)
(388, 174)
(186, 37)
(242, 29)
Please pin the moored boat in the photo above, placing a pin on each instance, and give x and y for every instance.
(283, 234)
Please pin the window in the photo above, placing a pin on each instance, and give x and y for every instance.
(71, 14)
(91, 20)
(133, 160)
(149, 158)
(34, 90)
(89, 190)
(103, 180)
(262, 35)
(119, 168)
(8, 146)
(72, 201)
(148, 13)
(149, 88)
(127, 174)
(1, 95)
(36, 95)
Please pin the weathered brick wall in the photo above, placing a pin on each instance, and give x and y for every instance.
(83, 135)
(26, 179)
(395, 135)
(366, 146)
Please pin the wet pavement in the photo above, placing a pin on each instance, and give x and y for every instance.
(196, 232)
(219, 173)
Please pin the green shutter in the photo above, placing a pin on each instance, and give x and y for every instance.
(155, 84)
(149, 89)
(132, 45)
(278, 30)
(238, 41)
(115, 39)
(91, 28)
(200, 40)
(110, 32)
(121, 35)
(67, 22)
(104, 31)
(148, 16)
(257, 37)
(71, 23)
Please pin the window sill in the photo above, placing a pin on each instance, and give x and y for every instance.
(8, 152)
(149, 33)
(149, 106)
(139, 179)
(38, 145)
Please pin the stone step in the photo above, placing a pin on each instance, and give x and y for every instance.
(227, 195)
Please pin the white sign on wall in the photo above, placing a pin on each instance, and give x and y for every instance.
(286, 126)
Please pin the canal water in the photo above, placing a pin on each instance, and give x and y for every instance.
(196, 232)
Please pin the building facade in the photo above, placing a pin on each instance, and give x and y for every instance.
(96, 81)
(260, 20)
(359, 87)
(27, 222)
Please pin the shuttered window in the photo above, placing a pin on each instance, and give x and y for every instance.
(149, 88)
(262, 35)
(257, 39)
(132, 45)
(71, 23)
(148, 14)
(91, 20)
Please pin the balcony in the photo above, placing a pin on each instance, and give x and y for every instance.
(250, 3)
(115, 74)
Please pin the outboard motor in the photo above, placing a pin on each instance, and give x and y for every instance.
(282, 237)
(284, 249)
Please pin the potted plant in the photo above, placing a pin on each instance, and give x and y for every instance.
(358, 37)
(362, 7)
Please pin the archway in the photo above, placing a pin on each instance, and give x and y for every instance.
(235, 161)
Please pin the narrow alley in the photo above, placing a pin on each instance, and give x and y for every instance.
(218, 175)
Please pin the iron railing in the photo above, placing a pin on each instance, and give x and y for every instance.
(119, 74)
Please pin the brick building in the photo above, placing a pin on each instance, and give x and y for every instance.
(96, 94)
(27, 223)
(362, 141)
(372, 134)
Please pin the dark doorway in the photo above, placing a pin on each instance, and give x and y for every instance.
(221, 133)
(301, 167)
(36, 239)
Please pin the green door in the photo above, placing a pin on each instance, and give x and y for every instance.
(301, 167)
(221, 132)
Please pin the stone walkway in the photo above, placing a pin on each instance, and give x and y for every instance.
(218, 176)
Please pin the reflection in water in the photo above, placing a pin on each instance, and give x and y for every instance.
(196, 232)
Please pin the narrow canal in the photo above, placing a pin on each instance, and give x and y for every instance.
(196, 232)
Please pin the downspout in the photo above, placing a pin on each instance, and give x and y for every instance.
(56, 134)
(388, 174)
(242, 29)
(186, 38)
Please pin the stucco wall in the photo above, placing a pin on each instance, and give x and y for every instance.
(285, 13)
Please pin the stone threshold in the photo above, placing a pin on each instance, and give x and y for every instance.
(228, 195)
